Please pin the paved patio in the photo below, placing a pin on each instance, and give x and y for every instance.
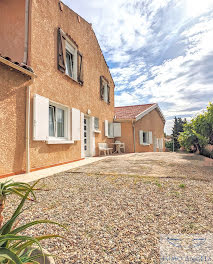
(116, 208)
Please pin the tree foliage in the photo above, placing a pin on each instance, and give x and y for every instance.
(177, 129)
(198, 132)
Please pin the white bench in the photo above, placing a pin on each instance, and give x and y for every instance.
(103, 147)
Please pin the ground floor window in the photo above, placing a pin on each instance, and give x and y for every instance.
(146, 137)
(56, 122)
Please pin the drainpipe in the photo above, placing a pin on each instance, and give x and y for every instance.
(25, 60)
(133, 125)
(26, 38)
(28, 130)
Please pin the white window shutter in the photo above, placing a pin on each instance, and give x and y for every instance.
(40, 118)
(117, 129)
(75, 124)
(92, 136)
(106, 128)
(141, 137)
(82, 136)
(150, 137)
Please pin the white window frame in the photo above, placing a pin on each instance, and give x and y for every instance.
(66, 123)
(106, 94)
(71, 48)
(110, 130)
(96, 123)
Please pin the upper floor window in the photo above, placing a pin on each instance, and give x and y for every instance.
(70, 60)
(104, 90)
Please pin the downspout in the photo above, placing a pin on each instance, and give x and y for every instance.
(25, 60)
(133, 125)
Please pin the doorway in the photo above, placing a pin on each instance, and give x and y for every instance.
(86, 136)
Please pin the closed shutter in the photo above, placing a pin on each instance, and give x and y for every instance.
(150, 137)
(106, 128)
(80, 68)
(141, 137)
(82, 136)
(108, 91)
(102, 88)
(75, 124)
(117, 129)
(40, 118)
(61, 51)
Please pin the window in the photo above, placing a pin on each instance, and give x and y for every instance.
(104, 90)
(96, 123)
(110, 130)
(71, 60)
(57, 122)
(146, 137)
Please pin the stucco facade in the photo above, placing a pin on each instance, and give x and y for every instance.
(12, 120)
(45, 18)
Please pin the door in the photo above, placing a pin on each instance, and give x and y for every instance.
(86, 137)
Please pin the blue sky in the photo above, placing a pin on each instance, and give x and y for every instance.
(158, 51)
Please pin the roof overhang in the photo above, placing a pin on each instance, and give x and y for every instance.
(17, 67)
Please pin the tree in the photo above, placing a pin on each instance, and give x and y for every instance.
(177, 129)
(198, 132)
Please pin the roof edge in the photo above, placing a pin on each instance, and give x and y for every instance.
(17, 67)
(151, 108)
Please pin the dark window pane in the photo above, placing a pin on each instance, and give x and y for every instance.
(60, 122)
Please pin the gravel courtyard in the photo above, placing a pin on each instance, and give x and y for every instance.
(116, 208)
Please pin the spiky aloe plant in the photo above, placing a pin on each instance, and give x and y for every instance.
(18, 249)
(10, 187)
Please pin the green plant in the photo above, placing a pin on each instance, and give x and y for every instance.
(10, 187)
(182, 185)
(18, 249)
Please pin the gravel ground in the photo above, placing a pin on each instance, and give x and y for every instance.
(115, 209)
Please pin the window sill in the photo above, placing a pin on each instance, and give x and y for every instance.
(145, 144)
(110, 137)
(70, 78)
(97, 131)
(58, 141)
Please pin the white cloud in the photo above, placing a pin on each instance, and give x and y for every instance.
(161, 48)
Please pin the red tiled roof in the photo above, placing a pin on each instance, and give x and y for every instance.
(130, 112)
(24, 66)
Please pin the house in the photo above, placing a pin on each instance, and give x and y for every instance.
(50, 116)
(142, 127)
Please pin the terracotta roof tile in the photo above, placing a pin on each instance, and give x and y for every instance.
(130, 112)
(24, 66)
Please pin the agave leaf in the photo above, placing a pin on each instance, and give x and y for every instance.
(7, 227)
(30, 243)
(9, 255)
(23, 227)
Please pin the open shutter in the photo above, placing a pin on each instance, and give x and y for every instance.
(108, 91)
(75, 124)
(117, 129)
(150, 137)
(102, 88)
(106, 124)
(82, 136)
(141, 137)
(61, 51)
(80, 68)
(92, 136)
(40, 118)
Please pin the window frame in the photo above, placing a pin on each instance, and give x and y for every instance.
(96, 122)
(73, 50)
(110, 129)
(66, 122)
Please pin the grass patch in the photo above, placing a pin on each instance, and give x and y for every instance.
(182, 185)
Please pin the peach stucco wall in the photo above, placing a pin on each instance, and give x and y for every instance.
(150, 122)
(12, 120)
(12, 29)
(46, 17)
